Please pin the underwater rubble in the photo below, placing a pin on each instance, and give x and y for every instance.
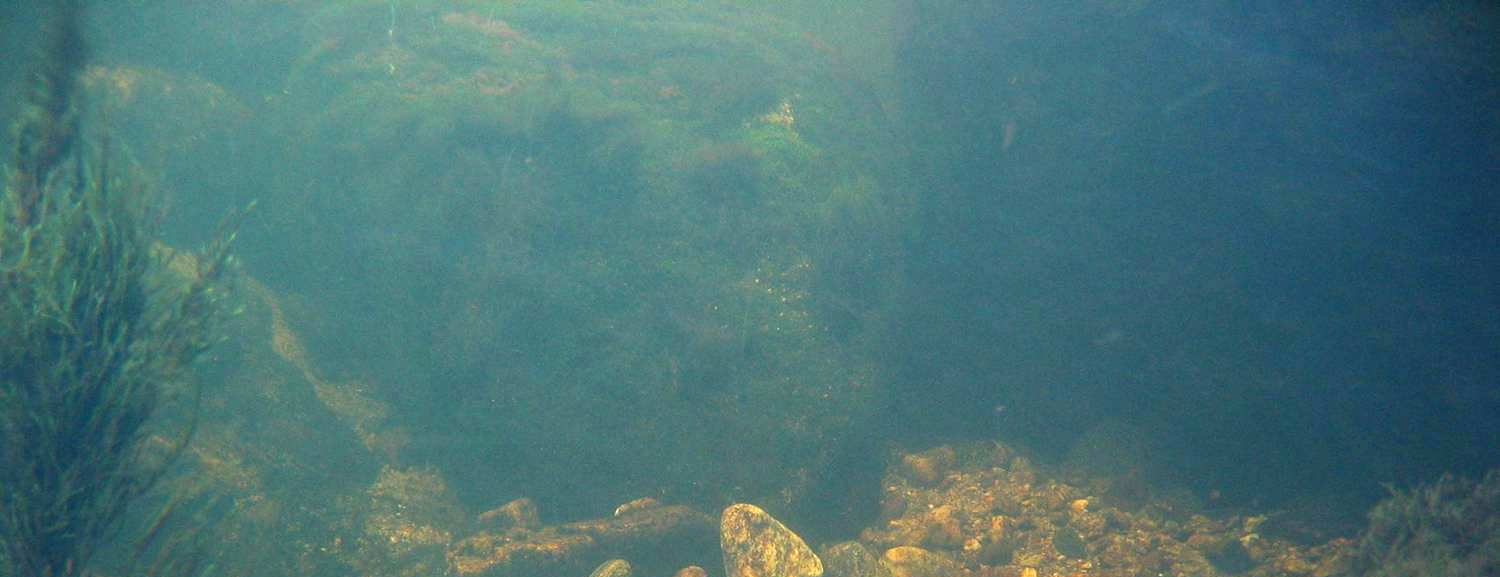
(980, 510)
(989, 512)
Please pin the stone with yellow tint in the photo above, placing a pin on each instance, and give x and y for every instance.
(852, 559)
(612, 568)
(907, 561)
(757, 545)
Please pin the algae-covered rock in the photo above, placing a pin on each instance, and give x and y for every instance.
(852, 559)
(585, 242)
(408, 523)
(757, 545)
(518, 514)
(612, 568)
(907, 561)
(578, 251)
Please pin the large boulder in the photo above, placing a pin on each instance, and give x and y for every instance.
(757, 545)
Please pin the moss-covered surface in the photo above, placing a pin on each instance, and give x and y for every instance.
(594, 243)
(577, 251)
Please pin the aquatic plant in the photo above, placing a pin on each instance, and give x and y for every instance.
(1446, 529)
(99, 328)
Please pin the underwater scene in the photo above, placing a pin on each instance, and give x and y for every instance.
(736, 288)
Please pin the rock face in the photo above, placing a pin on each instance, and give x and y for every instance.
(756, 545)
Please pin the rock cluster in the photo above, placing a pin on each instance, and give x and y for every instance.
(981, 511)
(986, 511)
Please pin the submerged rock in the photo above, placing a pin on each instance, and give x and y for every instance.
(853, 559)
(612, 568)
(518, 514)
(757, 545)
(994, 514)
(668, 536)
(925, 469)
(908, 561)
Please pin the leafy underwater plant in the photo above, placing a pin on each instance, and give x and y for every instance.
(96, 333)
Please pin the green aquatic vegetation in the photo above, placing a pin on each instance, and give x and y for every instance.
(99, 329)
(1448, 528)
(628, 216)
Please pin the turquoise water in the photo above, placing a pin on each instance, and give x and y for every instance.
(708, 252)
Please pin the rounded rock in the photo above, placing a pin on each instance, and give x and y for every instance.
(907, 561)
(757, 545)
(612, 568)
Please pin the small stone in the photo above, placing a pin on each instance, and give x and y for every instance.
(908, 561)
(636, 505)
(691, 571)
(852, 559)
(612, 568)
(756, 545)
(518, 514)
